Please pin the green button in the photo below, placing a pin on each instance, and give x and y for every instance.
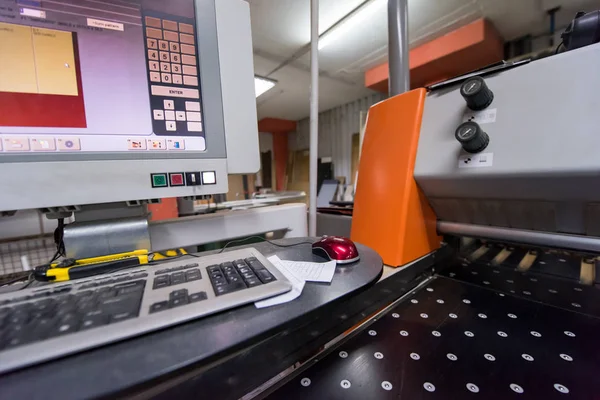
(159, 180)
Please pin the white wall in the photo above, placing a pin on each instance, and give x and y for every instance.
(336, 127)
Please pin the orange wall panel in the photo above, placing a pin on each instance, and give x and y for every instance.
(465, 49)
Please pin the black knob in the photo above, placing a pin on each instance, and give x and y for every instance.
(476, 93)
(472, 138)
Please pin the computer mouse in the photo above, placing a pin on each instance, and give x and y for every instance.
(339, 249)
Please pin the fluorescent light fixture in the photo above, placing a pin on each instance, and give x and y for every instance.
(359, 17)
(263, 85)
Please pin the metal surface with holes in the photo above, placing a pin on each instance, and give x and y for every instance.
(458, 338)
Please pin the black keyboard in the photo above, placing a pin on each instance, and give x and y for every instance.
(41, 323)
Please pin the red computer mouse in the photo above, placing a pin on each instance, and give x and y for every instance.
(339, 249)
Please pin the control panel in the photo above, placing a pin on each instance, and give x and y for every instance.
(173, 75)
(516, 148)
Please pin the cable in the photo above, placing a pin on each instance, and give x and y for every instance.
(558, 47)
(263, 239)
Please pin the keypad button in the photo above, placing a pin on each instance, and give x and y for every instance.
(159, 114)
(171, 126)
(176, 68)
(153, 22)
(160, 306)
(190, 80)
(155, 76)
(165, 78)
(177, 79)
(161, 282)
(163, 45)
(154, 66)
(153, 54)
(164, 56)
(194, 126)
(192, 106)
(188, 49)
(170, 115)
(169, 104)
(152, 43)
(171, 36)
(193, 275)
(165, 67)
(180, 115)
(186, 28)
(194, 297)
(190, 60)
(176, 58)
(170, 25)
(174, 47)
(190, 70)
(184, 38)
(154, 33)
(251, 282)
(193, 116)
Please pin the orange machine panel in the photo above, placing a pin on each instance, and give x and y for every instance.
(391, 215)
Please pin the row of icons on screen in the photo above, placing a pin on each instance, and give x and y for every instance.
(73, 144)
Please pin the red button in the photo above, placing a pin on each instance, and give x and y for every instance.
(176, 179)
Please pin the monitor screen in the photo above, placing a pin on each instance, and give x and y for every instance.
(99, 76)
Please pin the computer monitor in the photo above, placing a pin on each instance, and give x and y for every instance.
(118, 100)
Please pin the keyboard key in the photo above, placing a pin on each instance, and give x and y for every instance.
(130, 287)
(174, 47)
(122, 316)
(219, 282)
(234, 279)
(232, 287)
(64, 328)
(161, 281)
(178, 293)
(193, 275)
(152, 43)
(128, 303)
(178, 301)
(255, 264)
(248, 275)
(93, 321)
(265, 276)
(194, 297)
(251, 282)
(160, 306)
(177, 278)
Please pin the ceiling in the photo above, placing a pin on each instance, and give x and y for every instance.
(281, 33)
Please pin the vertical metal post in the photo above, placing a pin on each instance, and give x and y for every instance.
(314, 115)
(399, 75)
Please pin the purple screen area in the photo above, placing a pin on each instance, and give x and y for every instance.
(113, 62)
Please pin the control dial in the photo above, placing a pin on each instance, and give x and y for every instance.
(472, 138)
(476, 93)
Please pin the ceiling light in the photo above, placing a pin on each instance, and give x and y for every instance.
(353, 21)
(263, 85)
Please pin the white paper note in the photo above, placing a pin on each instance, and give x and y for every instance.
(312, 271)
(297, 286)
